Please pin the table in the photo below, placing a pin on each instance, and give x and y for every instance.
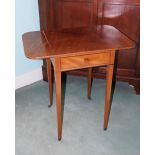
(77, 48)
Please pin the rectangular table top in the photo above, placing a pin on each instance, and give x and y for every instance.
(43, 44)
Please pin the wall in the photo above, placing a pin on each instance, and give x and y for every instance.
(27, 19)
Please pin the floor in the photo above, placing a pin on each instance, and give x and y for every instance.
(83, 134)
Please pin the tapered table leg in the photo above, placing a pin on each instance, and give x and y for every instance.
(89, 82)
(50, 80)
(109, 78)
(58, 96)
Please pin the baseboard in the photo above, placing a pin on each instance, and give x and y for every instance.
(28, 78)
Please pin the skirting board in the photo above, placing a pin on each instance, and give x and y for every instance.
(28, 78)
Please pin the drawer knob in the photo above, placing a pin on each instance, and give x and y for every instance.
(86, 59)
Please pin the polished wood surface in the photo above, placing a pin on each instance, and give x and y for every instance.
(73, 49)
(90, 78)
(50, 80)
(87, 60)
(43, 44)
(122, 14)
(109, 78)
(58, 95)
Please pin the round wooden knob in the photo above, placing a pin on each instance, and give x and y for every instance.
(86, 59)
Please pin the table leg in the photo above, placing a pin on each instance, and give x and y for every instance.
(58, 96)
(50, 80)
(109, 78)
(90, 70)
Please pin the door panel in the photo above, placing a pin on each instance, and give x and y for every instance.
(71, 14)
(126, 18)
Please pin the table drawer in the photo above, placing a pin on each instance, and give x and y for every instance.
(84, 61)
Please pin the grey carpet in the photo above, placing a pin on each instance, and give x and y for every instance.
(83, 134)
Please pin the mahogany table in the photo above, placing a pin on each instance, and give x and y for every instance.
(75, 49)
